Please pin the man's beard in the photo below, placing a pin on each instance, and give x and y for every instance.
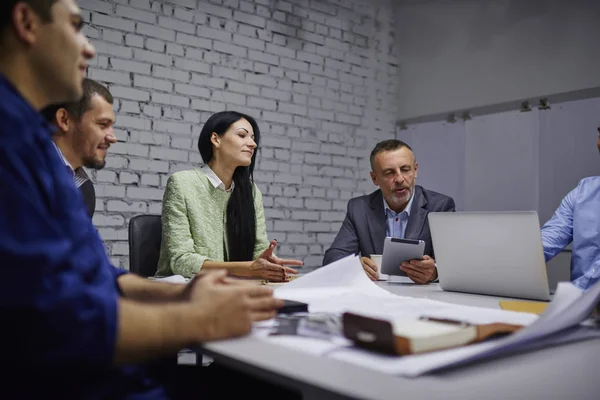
(406, 198)
(92, 163)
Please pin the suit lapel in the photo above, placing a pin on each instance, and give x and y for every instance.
(376, 221)
(418, 213)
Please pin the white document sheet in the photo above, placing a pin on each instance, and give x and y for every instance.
(340, 278)
(417, 365)
(558, 325)
(346, 273)
(343, 286)
(568, 311)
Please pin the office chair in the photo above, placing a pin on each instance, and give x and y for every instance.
(145, 234)
(559, 269)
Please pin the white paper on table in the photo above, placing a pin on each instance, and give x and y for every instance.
(346, 272)
(558, 325)
(417, 365)
(569, 311)
(566, 294)
(343, 277)
(309, 345)
(343, 286)
(390, 307)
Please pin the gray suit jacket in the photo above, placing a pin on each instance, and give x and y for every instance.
(363, 230)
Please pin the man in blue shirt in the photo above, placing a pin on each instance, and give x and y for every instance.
(73, 325)
(577, 220)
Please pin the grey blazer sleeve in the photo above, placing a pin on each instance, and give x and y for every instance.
(449, 205)
(346, 241)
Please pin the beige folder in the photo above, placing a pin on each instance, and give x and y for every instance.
(534, 307)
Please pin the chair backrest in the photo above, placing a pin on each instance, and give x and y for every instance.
(559, 269)
(145, 235)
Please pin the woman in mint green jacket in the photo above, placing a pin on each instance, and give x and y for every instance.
(213, 216)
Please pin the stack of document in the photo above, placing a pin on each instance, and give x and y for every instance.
(343, 286)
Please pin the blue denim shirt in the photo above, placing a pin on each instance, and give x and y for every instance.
(58, 292)
(577, 220)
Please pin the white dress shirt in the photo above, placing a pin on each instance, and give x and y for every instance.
(215, 180)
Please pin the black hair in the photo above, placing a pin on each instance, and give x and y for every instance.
(241, 217)
(76, 109)
(387, 145)
(42, 7)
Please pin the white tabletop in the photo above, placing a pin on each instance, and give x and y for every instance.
(433, 291)
(564, 372)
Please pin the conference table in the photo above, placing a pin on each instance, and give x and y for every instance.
(564, 372)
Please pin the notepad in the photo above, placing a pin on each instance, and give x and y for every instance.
(421, 336)
(417, 336)
(533, 307)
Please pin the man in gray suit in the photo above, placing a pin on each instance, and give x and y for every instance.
(398, 209)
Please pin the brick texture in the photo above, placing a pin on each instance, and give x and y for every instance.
(319, 77)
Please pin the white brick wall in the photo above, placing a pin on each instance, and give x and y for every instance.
(319, 76)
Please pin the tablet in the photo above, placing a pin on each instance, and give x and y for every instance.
(396, 251)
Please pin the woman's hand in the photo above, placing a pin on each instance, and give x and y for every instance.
(280, 261)
(271, 267)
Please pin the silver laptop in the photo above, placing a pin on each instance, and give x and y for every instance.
(494, 253)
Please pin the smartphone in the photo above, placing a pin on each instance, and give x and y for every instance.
(291, 306)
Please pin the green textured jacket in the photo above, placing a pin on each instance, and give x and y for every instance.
(194, 224)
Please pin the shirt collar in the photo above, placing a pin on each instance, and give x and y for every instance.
(62, 156)
(406, 210)
(215, 180)
(79, 175)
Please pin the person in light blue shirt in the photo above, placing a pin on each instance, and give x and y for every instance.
(577, 220)
(397, 221)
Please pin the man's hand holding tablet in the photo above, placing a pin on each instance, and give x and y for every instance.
(404, 257)
(420, 271)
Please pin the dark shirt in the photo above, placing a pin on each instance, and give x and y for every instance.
(58, 292)
(89, 196)
(82, 182)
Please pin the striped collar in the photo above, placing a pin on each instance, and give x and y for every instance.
(79, 175)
